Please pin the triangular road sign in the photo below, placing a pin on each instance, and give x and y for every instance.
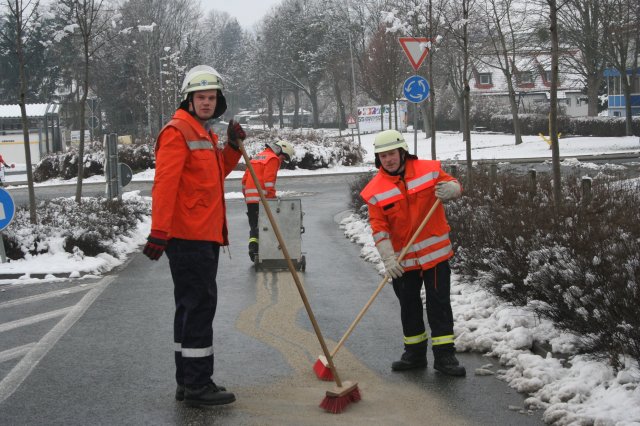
(416, 49)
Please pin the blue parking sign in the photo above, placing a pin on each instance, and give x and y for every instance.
(7, 208)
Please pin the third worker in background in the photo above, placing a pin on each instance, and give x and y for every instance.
(266, 165)
(399, 197)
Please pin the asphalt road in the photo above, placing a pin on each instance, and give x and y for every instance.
(102, 353)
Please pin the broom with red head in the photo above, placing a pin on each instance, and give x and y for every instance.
(322, 365)
(337, 399)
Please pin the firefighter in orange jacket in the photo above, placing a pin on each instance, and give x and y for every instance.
(266, 165)
(188, 221)
(398, 198)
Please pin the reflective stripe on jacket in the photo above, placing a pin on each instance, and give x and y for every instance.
(397, 206)
(266, 165)
(188, 188)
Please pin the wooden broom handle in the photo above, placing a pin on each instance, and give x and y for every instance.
(386, 278)
(292, 269)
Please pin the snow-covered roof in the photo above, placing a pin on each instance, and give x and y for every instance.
(569, 80)
(33, 110)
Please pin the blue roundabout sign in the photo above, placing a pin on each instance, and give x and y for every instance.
(416, 89)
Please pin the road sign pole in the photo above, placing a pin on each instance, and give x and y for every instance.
(3, 253)
(415, 129)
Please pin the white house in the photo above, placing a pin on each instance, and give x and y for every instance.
(532, 84)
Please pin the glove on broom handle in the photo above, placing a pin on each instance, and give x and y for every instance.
(292, 269)
(386, 278)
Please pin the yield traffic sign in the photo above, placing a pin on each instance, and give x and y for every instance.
(416, 49)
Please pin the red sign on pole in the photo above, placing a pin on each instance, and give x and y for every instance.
(416, 49)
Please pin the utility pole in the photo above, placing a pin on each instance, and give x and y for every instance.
(353, 76)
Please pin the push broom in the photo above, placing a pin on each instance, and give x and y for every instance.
(337, 399)
(322, 367)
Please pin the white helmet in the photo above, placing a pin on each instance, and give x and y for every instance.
(282, 147)
(201, 77)
(388, 140)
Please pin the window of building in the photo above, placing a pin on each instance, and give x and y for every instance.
(525, 77)
(547, 76)
(485, 78)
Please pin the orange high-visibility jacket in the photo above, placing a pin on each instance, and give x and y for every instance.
(266, 165)
(188, 189)
(398, 205)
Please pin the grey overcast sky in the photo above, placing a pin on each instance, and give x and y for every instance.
(247, 12)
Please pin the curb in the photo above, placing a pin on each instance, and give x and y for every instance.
(42, 275)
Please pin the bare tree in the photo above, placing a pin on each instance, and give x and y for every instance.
(581, 26)
(553, 109)
(507, 33)
(384, 68)
(90, 19)
(458, 60)
(624, 47)
(22, 14)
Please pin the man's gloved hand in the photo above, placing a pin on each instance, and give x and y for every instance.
(448, 190)
(156, 243)
(235, 132)
(389, 258)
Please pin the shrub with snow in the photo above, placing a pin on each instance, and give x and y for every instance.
(89, 228)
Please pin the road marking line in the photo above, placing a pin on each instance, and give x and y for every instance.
(16, 352)
(21, 371)
(50, 294)
(34, 319)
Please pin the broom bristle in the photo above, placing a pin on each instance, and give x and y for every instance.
(322, 370)
(335, 404)
(336, 401)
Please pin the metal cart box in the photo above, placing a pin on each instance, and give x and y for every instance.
(287, 213)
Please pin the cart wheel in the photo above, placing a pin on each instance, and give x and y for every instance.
(303, 263)
(256, 263)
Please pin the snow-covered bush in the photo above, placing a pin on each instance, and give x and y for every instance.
(64, 225)
(65, 165)
(137, 156)
(579, 266)
(314, 149)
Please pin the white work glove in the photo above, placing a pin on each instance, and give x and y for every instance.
(389, 258)
(448, 190)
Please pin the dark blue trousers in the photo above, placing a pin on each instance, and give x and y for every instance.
(194, 266)
(437, 284)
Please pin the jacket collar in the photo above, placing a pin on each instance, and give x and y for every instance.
(183, 115)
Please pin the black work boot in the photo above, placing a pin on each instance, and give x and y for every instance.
(447, 363)
(180, 392)
(208, 394)
(411, 359)
(253, 250)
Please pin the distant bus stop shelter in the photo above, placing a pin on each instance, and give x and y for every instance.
(44, 131)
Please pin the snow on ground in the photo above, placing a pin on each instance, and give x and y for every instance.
(579, 391)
